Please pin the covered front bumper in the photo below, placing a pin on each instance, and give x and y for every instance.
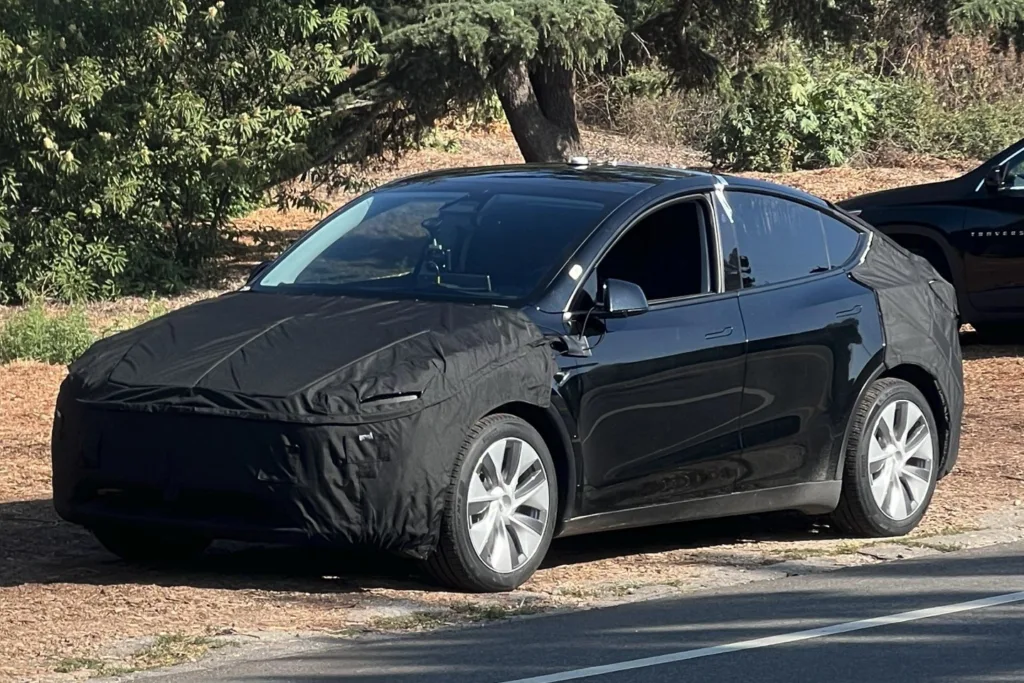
(380, 485)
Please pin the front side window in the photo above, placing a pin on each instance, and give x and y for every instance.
(1015, 178)
(477, 245)
(665, 254)
(780, 240)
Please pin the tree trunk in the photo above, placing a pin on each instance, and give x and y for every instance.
(541, 112)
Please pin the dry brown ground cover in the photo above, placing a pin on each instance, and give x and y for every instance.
(62, 598)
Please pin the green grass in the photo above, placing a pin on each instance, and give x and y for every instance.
(848, 548)
(474, 612)
(952, 530)
(60, 336)
(165, 650)
(32, 333)
(95, 667)
(454, 614)
(941, 547)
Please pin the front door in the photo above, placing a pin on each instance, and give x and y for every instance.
(994, 249)
(657, 403)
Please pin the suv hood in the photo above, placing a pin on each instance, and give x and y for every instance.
(930, 193)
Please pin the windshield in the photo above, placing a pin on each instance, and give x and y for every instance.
(487, 246)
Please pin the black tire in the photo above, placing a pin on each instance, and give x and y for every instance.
(858, 512)
(455, 563)
(149, 547)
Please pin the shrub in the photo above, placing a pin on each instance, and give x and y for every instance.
(953, 97)
(34, 334)
(643, 104)
(792, 113)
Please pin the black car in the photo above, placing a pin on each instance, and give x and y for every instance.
(460, 366)
(971, 229)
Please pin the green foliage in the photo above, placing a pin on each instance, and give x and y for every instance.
(133, 132)
(1003, 18)
(979, 130)
(34, 334)
(464, 44)
(791, 114)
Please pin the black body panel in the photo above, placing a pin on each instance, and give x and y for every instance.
(809, 347)
(658, 406)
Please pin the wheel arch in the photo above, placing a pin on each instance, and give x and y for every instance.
(906, 234)
(549, 425)
(910, 237)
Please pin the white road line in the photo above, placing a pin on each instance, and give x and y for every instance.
(783, 639)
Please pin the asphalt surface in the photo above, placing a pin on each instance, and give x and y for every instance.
(980, 642)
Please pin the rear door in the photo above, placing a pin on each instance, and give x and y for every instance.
(807, 325)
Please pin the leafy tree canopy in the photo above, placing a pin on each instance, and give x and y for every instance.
(133, 130)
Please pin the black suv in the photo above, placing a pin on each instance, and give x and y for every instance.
(971, 229)
(459, 367)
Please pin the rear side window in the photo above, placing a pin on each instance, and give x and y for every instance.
(780, 240)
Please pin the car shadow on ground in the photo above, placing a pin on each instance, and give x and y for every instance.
(36, 547)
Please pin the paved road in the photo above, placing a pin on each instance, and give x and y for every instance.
(955, 617)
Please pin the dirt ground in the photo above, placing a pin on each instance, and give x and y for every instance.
(67, 606)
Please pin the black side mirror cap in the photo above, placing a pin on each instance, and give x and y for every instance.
(996, 178)
(256, 271)
(622, 299)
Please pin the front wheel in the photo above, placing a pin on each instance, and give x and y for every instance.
(500, 512)
(892, 462)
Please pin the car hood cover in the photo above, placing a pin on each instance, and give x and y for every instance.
(308, 357)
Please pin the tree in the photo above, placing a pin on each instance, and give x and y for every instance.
(133, 130)
(528, 51)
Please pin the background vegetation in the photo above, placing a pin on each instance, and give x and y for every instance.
(134, 131)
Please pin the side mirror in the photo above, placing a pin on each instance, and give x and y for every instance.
(996, 178)
(622, 299)
(256, 270)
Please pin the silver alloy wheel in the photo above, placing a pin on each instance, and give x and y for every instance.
(507, 504)
(900, 459)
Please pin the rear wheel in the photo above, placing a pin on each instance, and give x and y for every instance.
(892, 462)
(146, 546)
(500, 512)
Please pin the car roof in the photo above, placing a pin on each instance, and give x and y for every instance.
(583, 177)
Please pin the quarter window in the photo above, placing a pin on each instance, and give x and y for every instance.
(840, 239)
(781, 240)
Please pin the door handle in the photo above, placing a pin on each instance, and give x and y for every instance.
(850, 312)
(724, 332)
